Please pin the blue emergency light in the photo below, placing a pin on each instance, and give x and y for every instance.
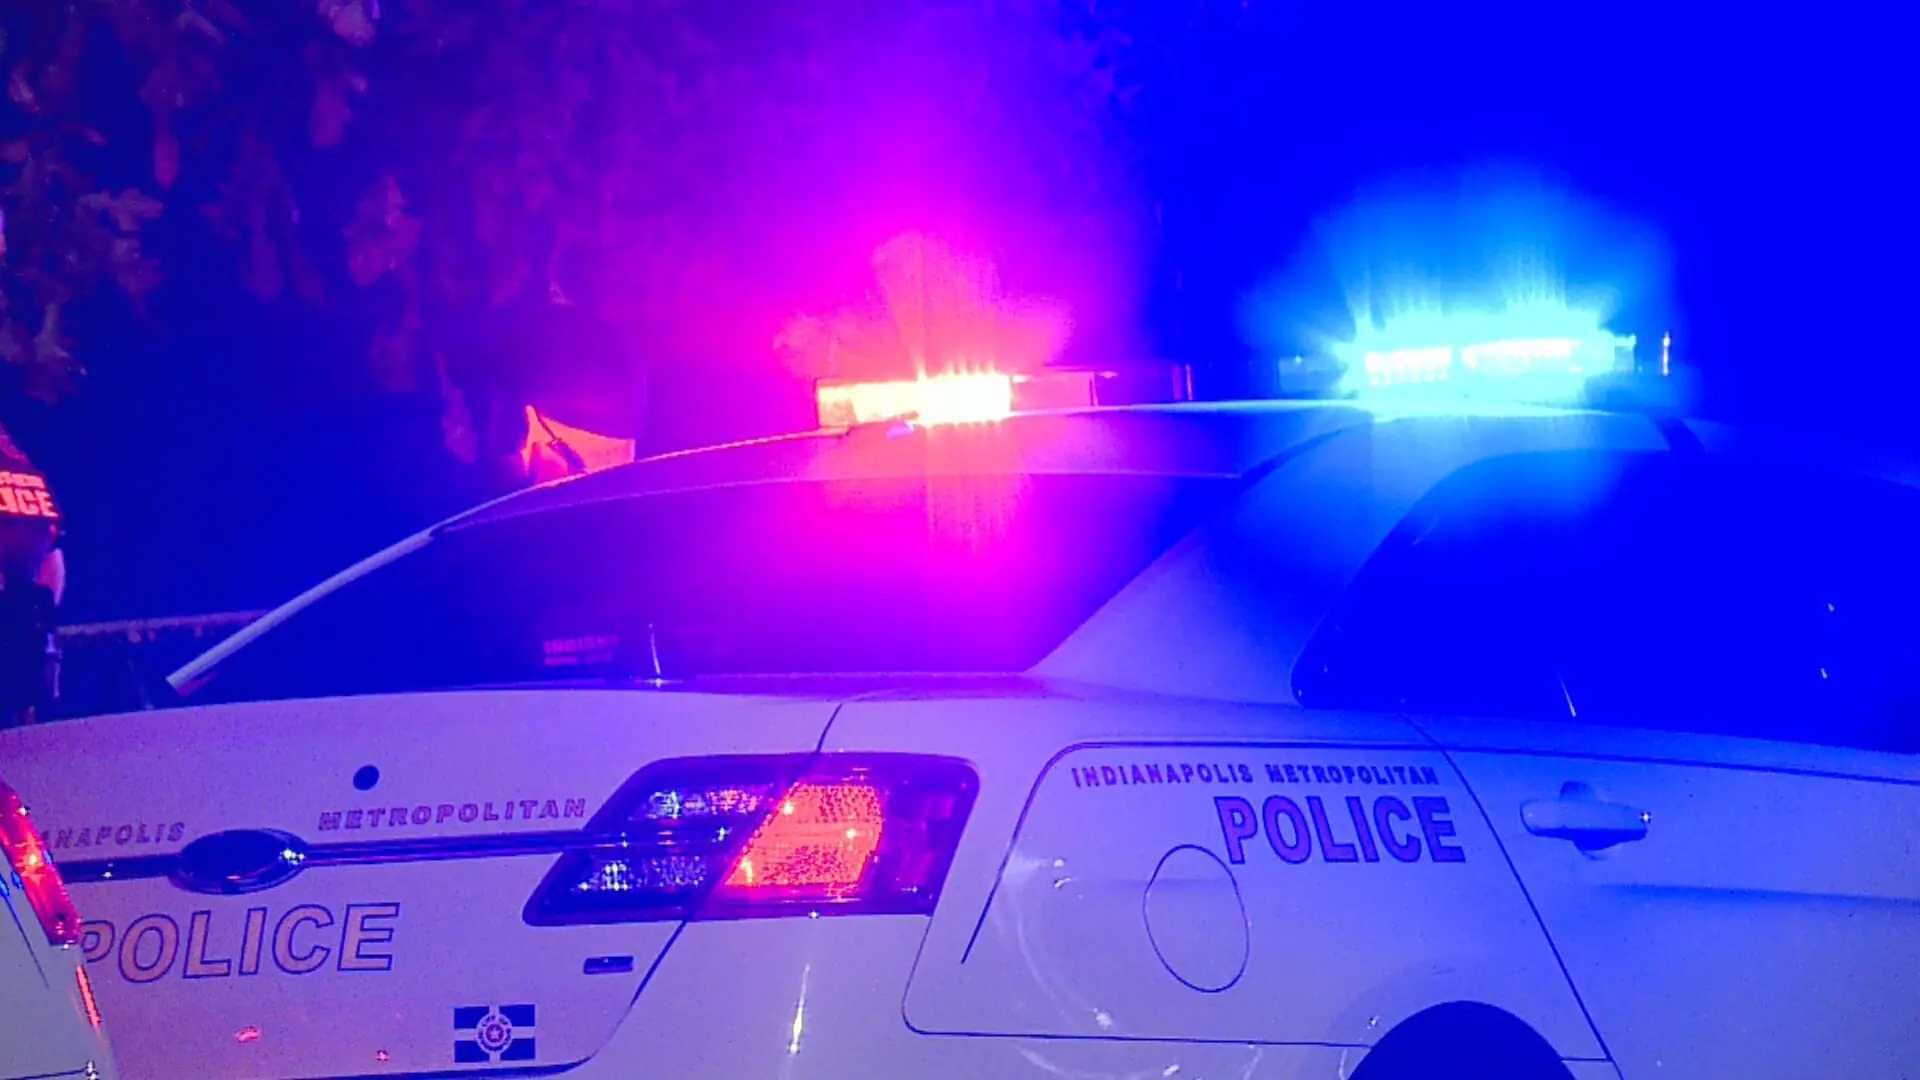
(1544, 355)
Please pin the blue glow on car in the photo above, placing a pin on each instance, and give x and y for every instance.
(1541, 353)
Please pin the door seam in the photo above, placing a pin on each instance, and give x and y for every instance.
(1519, 883)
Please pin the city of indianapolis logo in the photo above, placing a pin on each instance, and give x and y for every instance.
(490, 1033)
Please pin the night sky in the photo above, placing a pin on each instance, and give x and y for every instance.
(231, 452)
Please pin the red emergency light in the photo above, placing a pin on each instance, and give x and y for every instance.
(975, 398)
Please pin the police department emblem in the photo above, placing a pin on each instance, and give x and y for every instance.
(489, 1033)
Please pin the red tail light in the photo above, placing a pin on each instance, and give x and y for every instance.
(34, 872)
(755, 837)
(822, 837)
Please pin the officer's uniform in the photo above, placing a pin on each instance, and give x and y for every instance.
(31, 577)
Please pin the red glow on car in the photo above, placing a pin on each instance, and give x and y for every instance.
(39, 878)
(86, 995)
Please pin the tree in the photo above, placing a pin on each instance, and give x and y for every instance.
(495, 189)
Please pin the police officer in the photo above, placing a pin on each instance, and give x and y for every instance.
(32, 574)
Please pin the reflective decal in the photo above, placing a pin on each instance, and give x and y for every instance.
(1294, 834)
(1348, 774)
(296, 959)
(122, 834)
(26, 495)
(224, 944)
(1297, 849)
(1369, 850)
(1437, 828)
(1337, 826)
(138, 964)
(96, 940)
(466, 813)
(369, 928)
(253, 940)
(490, 1033)
(1386, 810)
(1331, 849)
(198, 965)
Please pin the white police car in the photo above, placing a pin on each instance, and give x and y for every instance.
(1261, 740)
(49, 1021)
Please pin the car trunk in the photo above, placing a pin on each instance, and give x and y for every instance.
(360, 910)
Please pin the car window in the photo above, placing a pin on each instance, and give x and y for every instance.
(942, 574)
(1681, 592)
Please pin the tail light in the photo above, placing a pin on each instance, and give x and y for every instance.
(34, 872)
(758, 837)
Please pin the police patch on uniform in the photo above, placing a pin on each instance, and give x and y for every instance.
(489, 1033)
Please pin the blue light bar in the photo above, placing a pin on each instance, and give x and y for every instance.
(1514, 358)
(1543, 355)
(1397, 367)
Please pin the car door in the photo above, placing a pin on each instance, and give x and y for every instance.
(1142, 870)
(1726, 908)
(1683, 688)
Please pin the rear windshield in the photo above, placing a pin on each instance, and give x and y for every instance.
(942, 574)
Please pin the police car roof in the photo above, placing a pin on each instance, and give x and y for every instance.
(1225, 440)
(1219, 440)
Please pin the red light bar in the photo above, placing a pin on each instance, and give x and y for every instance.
(935, 399)
(1057, 390)
(984, 398)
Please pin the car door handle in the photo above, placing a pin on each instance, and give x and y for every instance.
(238, 862)
(1582, 817)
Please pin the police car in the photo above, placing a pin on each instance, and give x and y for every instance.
(49, 1019)
(1389, 740)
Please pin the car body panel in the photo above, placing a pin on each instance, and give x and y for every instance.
(821, 1000)
(356, 968)
(1103, 895)
(44, 1027)
(1765, 925)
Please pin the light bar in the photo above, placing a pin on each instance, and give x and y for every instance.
(934, 399)
(984, 398)
(1395, 367)
(1524, 357)
(1539, 351)
(1489, 359)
